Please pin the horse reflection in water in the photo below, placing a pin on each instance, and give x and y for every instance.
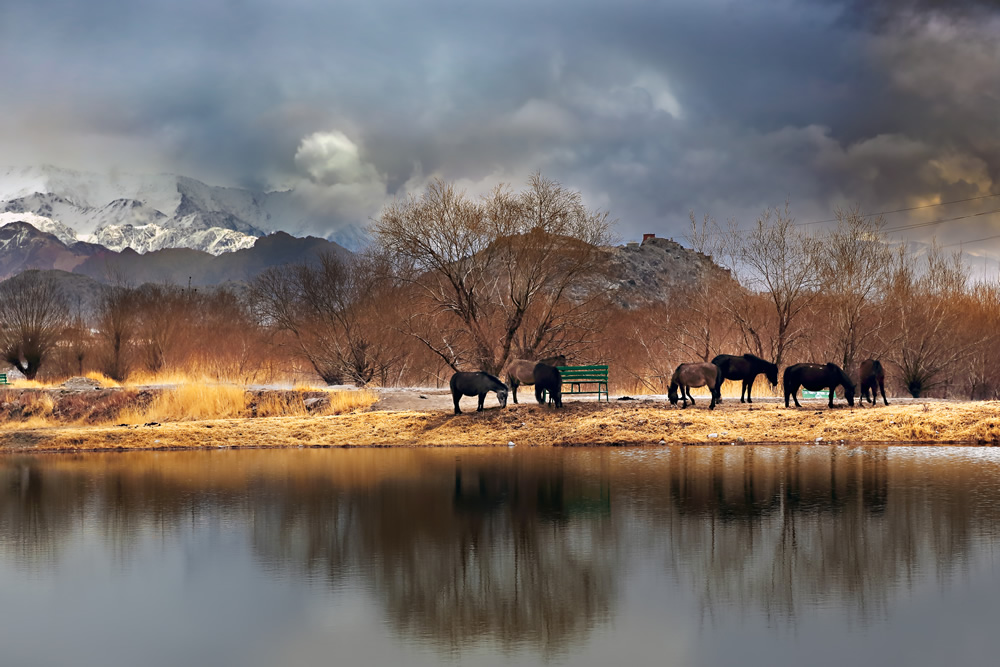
(529, 549)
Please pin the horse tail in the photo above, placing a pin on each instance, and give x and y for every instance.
(877, 368)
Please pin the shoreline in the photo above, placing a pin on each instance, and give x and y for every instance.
(579, 424)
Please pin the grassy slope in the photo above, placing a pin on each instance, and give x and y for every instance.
(639, 423)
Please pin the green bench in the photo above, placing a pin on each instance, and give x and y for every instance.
(3, 378)
(582, 378)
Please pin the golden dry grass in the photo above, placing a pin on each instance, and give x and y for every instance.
(101, 379)
(583, 423)
(191, 402)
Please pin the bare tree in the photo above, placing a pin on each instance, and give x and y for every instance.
(504, 275)
(327, 310)
(117, 327)
(854, 262)
(778, 261)
(928, 309)
(33, 316)
(161, 311)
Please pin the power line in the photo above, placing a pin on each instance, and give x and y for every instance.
(903, 210)
(930, 223)
(915, 225)
(985, 238)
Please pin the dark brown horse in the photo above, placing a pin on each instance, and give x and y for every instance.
(695, 375)
(522, 371)
(476, 384)
(815, 377)
(871, 375)
(746, 368)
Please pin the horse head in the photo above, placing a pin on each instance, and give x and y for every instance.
(771, 371)
(502, 396)
(849, 389)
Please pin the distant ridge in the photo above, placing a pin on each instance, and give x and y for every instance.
(147, 212)
(23, 247)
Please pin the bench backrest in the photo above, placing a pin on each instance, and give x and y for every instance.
(3, 378)
(595, 373)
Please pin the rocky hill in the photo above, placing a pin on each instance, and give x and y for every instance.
(655, 269)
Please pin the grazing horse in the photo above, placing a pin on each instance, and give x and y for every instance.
(815, 377)
(872, 375)
(746, 368)
(522, 371)
(547, 378)
(695, 375)
(476, 384)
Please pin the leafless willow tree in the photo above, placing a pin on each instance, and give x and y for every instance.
(854, 262)
(117, 323)
(506, 275)
(327, 310)
(33, 316)
(776, 260)
(928, 303)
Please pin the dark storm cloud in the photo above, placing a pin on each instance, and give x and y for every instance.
(651, 109)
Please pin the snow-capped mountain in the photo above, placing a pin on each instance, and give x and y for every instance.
(152, 212)
(23, 247)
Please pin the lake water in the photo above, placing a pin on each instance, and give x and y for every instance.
(672, 556)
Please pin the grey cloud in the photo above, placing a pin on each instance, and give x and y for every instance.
(651, 109)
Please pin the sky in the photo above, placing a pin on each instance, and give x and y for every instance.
(652, 110)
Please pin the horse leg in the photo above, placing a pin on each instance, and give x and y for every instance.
(711, 406)
(748, 385)
(795, 395)
(881, 386)
(688, 390)
(456, 397)
(833, 392)
(482, 399)
(513, 387)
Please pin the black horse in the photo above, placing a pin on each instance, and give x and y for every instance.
(547, 379)
(476, 384)
(871, 376)
(746, 368)
(815, 377)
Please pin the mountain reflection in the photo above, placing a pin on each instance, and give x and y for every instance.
(531, 548)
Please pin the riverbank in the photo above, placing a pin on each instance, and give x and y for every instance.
(621, 423)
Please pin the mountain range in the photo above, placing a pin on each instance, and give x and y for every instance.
(148, 212)
(23, 247)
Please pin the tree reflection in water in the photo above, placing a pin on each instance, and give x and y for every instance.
(530, 548)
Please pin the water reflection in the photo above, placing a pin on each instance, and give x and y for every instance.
(533, 548)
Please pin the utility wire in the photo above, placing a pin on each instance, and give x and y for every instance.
(930, 223)
(985, 238)
(915, 225)
(903, 210)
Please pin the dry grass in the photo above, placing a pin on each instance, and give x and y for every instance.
(191, 402)
(21, 383)
(583, 423)
(342, 402)
(101, 379)
(41, 407)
